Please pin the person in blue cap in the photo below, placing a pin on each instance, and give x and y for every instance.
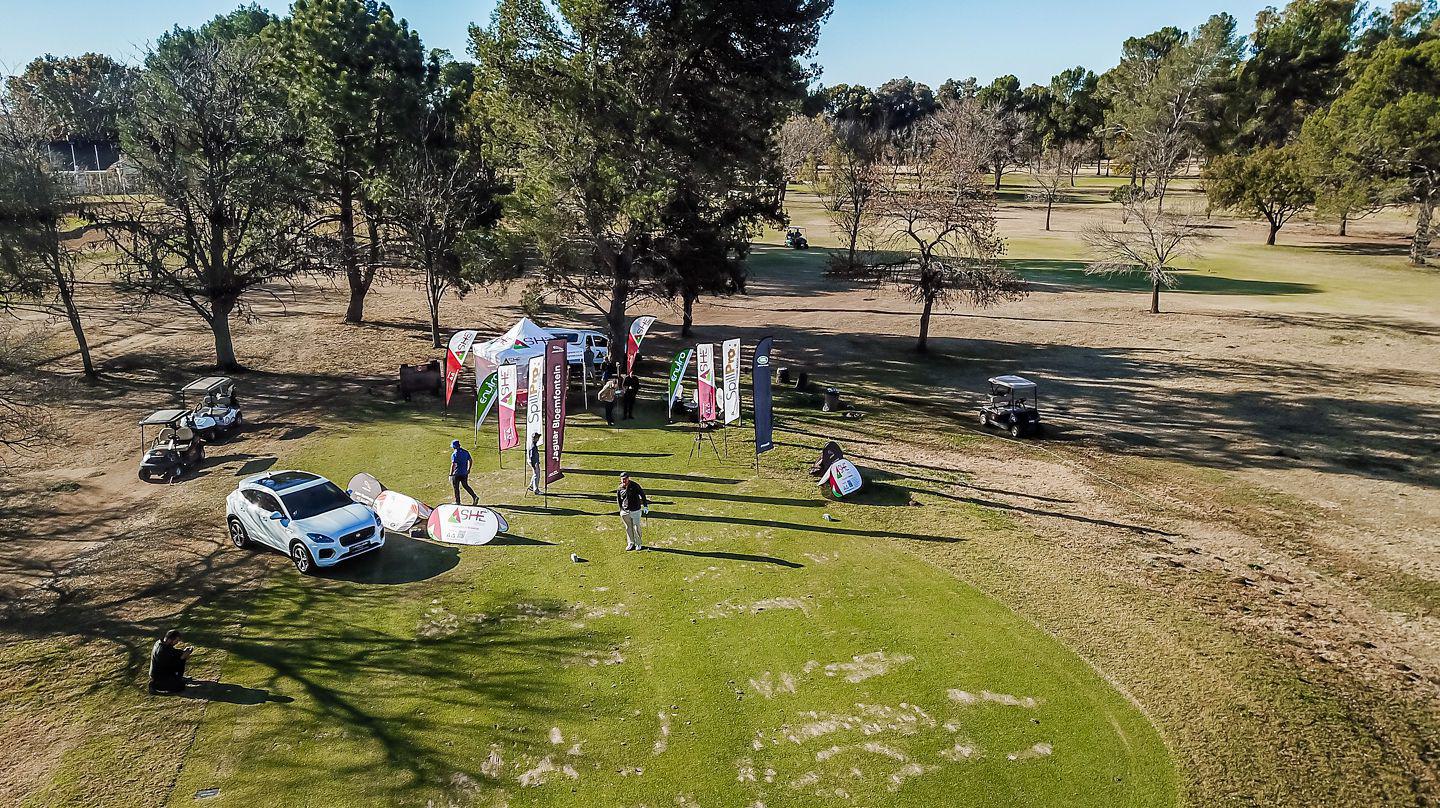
(460, 472)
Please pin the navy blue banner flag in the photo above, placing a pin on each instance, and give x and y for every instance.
(764, 417)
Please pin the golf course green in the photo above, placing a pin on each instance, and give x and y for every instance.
(758, 654)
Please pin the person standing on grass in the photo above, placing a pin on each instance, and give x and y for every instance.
(167, 664)
(460, 472)
(634, 504)
(607, 397)
(608, 370)
(632, 389)
(532, 456)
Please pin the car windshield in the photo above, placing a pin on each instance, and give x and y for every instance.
(315, 500)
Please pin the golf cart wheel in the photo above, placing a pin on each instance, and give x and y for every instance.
(301, 558)
(175, 474)
(238, 536)
(144, 475)
(199, 454)
(1015, 430)
(985, 419)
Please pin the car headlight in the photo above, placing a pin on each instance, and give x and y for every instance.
(320, 538)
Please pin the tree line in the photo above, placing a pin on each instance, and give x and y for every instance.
(610, 152)
(1329, 106)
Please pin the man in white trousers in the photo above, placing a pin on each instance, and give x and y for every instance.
(633, 507)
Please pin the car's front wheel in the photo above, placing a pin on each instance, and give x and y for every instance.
(238, 536)
(1015, 429)
(301, 556)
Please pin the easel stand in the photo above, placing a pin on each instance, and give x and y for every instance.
(703, 434)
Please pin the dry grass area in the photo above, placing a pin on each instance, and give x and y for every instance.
(1233, 516)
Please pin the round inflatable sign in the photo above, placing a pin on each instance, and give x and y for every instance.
(463, 524)
(364, 488)
(399, 512)
(843, 478)
(504, 525)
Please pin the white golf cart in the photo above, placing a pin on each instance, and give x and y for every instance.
(174, 449)
(214, 409)
(1013, 405)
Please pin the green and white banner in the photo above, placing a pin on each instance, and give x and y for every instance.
(678, 366)
(485, 395)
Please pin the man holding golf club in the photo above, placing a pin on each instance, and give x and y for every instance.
(634, 504)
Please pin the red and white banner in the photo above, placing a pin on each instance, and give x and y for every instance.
(463, 524)
(730, 377)
(843, 478)
(638, 329)
(705, 390)
(455, 359)
(509, 381)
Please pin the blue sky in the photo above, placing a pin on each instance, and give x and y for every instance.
(865, 41)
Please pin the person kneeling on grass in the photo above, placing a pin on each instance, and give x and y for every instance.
(167, 664)
(634, 504)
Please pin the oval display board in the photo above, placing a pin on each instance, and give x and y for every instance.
(504, 523)
(398, 511)
(364, 489)
(843, 477)
(463, 524)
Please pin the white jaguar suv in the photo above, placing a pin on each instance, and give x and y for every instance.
(303, 515)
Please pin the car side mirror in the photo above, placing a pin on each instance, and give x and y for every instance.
(277, 516)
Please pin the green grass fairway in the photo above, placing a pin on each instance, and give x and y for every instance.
(759, 655)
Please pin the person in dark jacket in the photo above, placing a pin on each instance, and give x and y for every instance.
(532, 456)
(460, 462)
(608, 370)
(632, 389)
(167, 664)
(634, 504)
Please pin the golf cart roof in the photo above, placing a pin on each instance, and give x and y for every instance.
(1016, 383)
(163, 417)
(209, 384)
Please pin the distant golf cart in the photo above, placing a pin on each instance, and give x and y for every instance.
(795, 239)
(173, 450)
(214, 410)
(1013, 405)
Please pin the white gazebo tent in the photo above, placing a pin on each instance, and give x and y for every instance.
(515, 347)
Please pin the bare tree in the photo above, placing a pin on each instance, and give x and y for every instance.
(935, 224)
(39, 250)
(25, 424)
(802, 140)
(1148, 246)
(1048, 173)
(220, 212)
(438, 205)
(850, 187)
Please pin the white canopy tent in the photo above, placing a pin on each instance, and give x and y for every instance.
(515, 347)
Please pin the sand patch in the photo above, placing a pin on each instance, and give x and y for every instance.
(546, 770)
(888, 751)
(906, 772)
(617, 610)
(866, 666)
(607, 657)
(1036, 751)
(964, 697)
(729, 608)
(959, 752)
(663, 742)
(768, 684)
(868, 720)
(556, 736)
(822, 558)
(690, 579)
(438, 623)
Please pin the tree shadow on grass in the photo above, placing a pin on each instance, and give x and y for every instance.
(760, 559)
(769, 523)
(1070, 275)
(643, 475)
(728, 497)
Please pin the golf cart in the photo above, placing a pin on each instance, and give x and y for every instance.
(795, 240)
(214, 410)
(174, 450)
(1013, 405)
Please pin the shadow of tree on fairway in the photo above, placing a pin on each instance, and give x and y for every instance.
(828, 528)
(642, 475)
(759, 559)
